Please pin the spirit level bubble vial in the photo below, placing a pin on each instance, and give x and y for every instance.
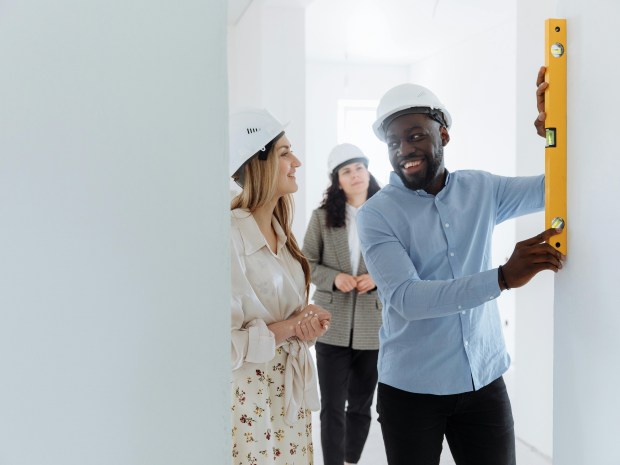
(555, 129)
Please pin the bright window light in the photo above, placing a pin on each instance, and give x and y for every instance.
(355, 118)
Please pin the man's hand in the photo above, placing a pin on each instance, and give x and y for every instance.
(541, 86)
(530, 257)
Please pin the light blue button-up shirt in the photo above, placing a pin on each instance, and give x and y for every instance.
(430, 257)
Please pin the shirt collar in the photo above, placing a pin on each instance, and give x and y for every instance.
(253, 239)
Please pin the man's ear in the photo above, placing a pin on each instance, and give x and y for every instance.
(445, 137)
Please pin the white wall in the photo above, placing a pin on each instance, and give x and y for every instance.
(533, 400)
(566, 392)
(586, 377)
(114, 289)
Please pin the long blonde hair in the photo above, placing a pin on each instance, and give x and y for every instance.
(259, 187)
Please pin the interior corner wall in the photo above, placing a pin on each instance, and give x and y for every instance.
(114, 231)
(475, 79)
(586, 375)
(268, 69)
(533, 399)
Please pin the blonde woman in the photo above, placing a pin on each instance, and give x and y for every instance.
(274, 384)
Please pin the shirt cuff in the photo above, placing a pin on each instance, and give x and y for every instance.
(261, 342)
(491, 284)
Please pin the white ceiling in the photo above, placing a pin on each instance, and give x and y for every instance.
(387, 31)
(396, 31)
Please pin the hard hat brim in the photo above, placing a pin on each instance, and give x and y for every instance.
(380, 125)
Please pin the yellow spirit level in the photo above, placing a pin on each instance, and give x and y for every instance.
(555, 128)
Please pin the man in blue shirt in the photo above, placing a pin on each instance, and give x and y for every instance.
(426, 240)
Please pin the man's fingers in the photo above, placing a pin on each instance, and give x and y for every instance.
(541, 75)
(551, 232)
(541, 86)
(553, 258)
(538, 253)
(540, 97)
(539, 238)
(540, 90)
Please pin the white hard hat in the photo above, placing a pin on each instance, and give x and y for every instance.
(401, 99)
(343, 153)
(251, 129)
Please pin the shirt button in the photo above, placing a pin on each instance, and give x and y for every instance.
(447, 225)
(460, 307)
(463, 312)
(452, 254)
(466, 343)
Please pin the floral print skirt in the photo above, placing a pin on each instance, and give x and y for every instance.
(260, 434)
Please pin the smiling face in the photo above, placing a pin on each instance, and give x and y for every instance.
(415, 146)
(287, 165)
(353, 179)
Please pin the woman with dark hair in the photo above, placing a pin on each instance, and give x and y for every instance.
(347, 355)
(273, 384)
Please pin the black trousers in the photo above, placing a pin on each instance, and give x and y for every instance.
(478, 426)
(346, 376)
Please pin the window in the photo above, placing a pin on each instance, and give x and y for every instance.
(355, 119)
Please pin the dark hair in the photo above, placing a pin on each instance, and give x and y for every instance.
(335, 200)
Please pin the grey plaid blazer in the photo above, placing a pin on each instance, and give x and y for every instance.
(327, 250)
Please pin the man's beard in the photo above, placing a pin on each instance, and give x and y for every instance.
(418, 181)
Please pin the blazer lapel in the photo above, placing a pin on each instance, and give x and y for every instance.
(340, 239)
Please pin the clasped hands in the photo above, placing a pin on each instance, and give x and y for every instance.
(346, 283)
(310, 322)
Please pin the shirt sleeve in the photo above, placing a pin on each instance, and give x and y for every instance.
(323, 277)
(398, 281)
(519, 196)
(251, 339)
